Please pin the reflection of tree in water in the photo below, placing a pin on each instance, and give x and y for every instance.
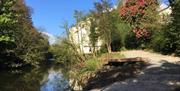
(31, 80)
(25, 81)
(55, 82)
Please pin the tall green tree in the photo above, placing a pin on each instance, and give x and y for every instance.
(105, 25)
(7, 24)
(172, 31)
(31, 45)
(94, 35)
(27, 45)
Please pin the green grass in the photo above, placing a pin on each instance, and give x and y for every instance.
(114, 55)
(91, 65)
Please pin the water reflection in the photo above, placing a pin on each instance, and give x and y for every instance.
(40, 79)
(55, 82)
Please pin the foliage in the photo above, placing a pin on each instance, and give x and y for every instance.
(170, 41)
(21, 43)
(65, 52)
(7, 24)
(143, 17)
(112, 35)
(167, 40)
(174, 28)
(94, 35)
(140, 14)
(32, 47)
(116, 31)
(105, 23)
(7, 28)
(91, 65)
(103, 49)
(159, 42)
(122, 33)
(131, 42)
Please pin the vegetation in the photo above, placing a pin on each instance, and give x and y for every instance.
(66, 53)
(135, 24)
(172, 31)
(167, 40)
(21, 43)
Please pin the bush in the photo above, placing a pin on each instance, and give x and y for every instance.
(159, 42)
(163, 42)
(131, 41)
(91, 65)
(171, 39)
(103, 49)
(62, 53)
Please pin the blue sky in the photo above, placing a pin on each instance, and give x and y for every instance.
(50, 14)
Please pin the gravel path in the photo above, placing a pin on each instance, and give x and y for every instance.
(154, 58)
(162, 75)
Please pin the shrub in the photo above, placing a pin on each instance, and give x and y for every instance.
(131, 42)
(91, 65)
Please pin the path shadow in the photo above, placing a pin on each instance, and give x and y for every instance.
(165, 77)
(177, 89)
(115, 72)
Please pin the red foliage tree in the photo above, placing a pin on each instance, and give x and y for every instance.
(136, 12)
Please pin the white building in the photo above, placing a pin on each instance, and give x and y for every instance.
(79, 35)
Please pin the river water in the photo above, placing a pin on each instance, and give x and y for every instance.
(39, 79)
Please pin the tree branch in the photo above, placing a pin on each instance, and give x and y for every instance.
(164, 9)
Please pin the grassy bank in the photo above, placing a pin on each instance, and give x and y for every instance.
(82, 72)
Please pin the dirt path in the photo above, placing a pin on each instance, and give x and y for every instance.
(153, 58)
(163, 74)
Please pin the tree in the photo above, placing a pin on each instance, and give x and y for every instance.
(21, 43)
(140, 14)
(122, 33)
(7, 24)
(172, 31)
(175, 29)
(32, 47)
(66, 27)
(103, 18)
(94, 35)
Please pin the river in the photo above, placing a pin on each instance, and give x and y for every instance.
(37, 79)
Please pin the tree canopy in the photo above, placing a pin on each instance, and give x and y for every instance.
(21, 43)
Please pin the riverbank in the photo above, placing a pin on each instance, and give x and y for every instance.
(83, 71)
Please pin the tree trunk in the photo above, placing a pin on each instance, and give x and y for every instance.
(94, 51)
(109, 48)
